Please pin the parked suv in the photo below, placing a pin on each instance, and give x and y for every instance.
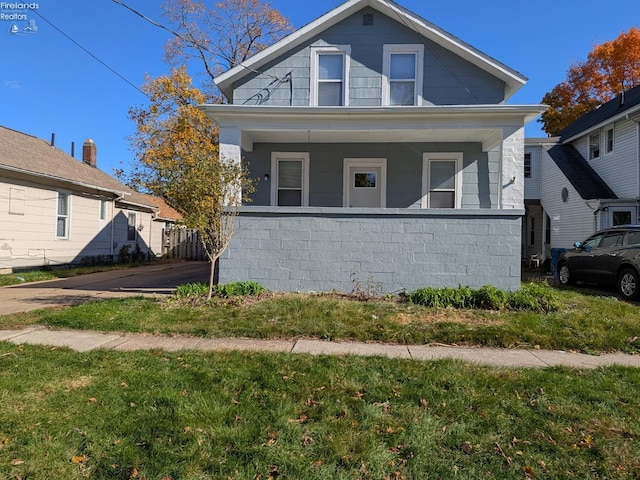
(609, 257)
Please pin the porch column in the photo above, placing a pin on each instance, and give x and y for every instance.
(512, 180)
(229, 150)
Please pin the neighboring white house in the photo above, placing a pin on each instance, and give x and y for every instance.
(584, 180)
(386, 153)
(57, 210)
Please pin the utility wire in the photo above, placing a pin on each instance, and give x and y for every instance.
(181, 37)
(88, 52)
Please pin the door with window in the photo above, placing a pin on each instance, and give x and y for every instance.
(365, 183)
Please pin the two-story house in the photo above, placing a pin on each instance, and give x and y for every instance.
(386, 157)
(584, 180)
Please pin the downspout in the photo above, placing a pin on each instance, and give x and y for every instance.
(637, 122)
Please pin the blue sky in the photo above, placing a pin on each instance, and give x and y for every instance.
(48, 84)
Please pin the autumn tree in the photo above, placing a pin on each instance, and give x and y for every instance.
(176, 149)
(610, 68)
(175, 143)
(218, 37)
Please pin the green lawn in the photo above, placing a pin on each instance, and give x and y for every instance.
(586, 321)
(156, 415)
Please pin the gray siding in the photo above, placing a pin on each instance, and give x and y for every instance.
(385, 250)
(448, 79)
(404, 171)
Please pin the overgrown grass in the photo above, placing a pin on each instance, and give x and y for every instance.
(153, 415)
(583, 321)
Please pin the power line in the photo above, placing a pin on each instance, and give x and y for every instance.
(88, 52)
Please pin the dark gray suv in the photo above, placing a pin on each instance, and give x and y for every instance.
(609, 257)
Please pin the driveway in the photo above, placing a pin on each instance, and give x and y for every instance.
(148, 280)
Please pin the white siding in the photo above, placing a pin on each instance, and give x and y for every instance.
(619, 169)
(28, 237)
(532, 185)
(571, 221)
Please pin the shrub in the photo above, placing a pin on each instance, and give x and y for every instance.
(233, 289)
(535, 297)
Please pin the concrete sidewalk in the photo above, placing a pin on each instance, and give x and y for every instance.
(84, 341)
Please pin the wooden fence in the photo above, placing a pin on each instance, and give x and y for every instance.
(180, 242)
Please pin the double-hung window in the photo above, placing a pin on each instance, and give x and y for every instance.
(527, 165)
(594, 145)
(402, 74)
(442, 180)
(62, 219)
(330, 75)
(609, 140)
(290, 174)
(131, 227)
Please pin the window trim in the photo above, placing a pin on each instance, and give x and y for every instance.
(594, 150)
(427, 158)
(275, 157)
(387, 51)
(66, 216)
(316, 51)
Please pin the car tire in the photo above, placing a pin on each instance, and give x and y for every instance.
(629, 284)
(564, 275)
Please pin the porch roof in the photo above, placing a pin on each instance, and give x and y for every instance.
(442, 123)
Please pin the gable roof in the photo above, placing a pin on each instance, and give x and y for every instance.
(582, 176)
(29, 155)
(513, 80)
(623, 103)
(166, 212)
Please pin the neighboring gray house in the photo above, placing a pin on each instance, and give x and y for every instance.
(386, 157)
(57, 210)
(584, 180)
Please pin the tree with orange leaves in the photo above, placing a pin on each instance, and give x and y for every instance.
(176, 144)
(610, 69)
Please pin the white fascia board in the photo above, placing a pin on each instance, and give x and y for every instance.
(513, 80)
(627, 113)
(250, 116)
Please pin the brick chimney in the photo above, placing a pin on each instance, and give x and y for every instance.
(89, 152)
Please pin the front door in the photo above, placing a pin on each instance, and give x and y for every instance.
(365, 183)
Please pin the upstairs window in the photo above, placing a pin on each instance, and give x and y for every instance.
(330, 76)
(609, 140)
(594, 145)
(402, 74)
(527, 165)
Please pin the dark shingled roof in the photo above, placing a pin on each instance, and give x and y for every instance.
(582, 176)
(614, 107)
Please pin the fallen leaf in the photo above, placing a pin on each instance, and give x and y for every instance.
(466, 447)
(17, 461)
(134, 473)
(528, 471)
(79, 459)
(92, 400)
